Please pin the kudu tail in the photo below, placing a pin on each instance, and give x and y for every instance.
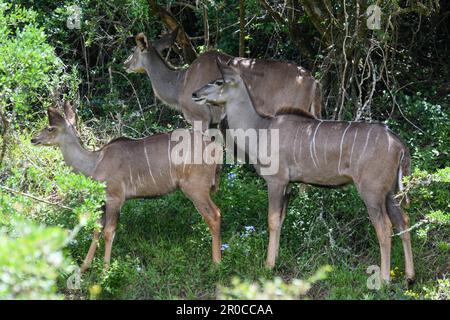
(216, 181)
(404, 169)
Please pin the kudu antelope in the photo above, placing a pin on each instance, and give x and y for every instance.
(275, 83)
(323, 153)
(140, 168)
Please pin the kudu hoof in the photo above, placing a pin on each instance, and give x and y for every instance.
(84, 268)
(410, 281)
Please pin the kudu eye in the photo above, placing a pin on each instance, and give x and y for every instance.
(50, 129)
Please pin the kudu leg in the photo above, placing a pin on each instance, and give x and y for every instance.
(211, 213)
(276, 204)
(380, 221)
(287, 195)
(112, 218)
(213, 221)
(90, 255)
(400, 221)
(95, 237)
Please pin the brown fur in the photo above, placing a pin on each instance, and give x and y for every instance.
(324, 153)
(271, 83)
(136, 168)
(298, 112)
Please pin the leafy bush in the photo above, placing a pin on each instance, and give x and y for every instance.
(29, 67)
(32, 255)
(275, 289)
(427, 135)
(31, 260)
(430, 193)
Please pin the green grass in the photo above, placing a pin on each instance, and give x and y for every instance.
(162, 248)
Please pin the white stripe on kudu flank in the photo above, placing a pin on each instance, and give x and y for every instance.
(148, 165)
(311, 152)
(295, 147)
(353, 146)
(376, 138)
(325, 151)
(170, 162)
(131, 174)
(365, 145)
(314, 141)
(389, 140)
(340, 148)
(301, 144)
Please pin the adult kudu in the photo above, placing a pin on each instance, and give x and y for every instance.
(274, 83)
(141, 168)
(324, 153)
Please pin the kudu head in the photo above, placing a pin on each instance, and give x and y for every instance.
(60, 129)
(221, 90)
(134, 62)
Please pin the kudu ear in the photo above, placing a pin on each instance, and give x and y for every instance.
(70, 113)
(226, 69)
(55, 118)
(141, 41)
(166, 41)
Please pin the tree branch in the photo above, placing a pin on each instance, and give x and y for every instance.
(317, 16)
(34, 197)
(170, 22)
(275, 15)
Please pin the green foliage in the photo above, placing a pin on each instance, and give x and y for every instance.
(431, 192)
(428, 141)
(116, 279)
(275, 289)
(31, 259)
(84, 195)
(440, 290)
(29, 67)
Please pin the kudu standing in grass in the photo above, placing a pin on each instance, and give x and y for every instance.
(140, 168)
(275, 83)
(323, 153)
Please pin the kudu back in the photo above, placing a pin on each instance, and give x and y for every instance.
(323, 153)
(272, 84)
(141, 168)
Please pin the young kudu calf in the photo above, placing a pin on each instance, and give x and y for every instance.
(275, 83)
(131, 168)
(324, 153)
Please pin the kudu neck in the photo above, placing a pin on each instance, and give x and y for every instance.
(165, 80)
(241, 113)
(75, 155)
